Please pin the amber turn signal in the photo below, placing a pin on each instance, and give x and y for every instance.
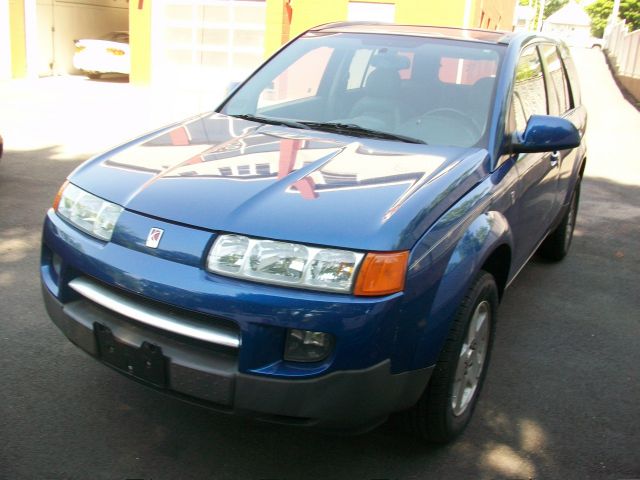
(56, 200)
(382, 274)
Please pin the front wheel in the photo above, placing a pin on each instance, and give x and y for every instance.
(448, 402)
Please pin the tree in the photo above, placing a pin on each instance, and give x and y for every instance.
(552, 6)
(600, 10)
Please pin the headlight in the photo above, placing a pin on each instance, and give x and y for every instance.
(89, 213)
(284, 263)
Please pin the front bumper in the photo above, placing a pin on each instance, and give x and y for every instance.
(102, 62)
(355, 387)
(340, 400)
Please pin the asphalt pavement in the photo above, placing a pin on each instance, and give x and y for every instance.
(561, 397)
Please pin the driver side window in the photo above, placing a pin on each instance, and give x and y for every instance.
(529, 95)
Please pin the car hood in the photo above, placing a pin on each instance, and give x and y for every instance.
(226, 174)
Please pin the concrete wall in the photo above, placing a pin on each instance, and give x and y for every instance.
(632, 85)
(622, 48)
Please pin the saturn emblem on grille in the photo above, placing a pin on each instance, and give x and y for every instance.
(153, 239)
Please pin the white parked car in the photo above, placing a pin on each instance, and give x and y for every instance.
(109, 54)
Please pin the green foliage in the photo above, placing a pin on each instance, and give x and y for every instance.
(552, 6)
(600, 10)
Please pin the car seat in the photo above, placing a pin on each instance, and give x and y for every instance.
(379, 107)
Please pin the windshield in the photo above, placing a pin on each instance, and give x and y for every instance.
(436, 91)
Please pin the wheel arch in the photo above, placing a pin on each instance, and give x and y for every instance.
(498, 264)
(485, 244)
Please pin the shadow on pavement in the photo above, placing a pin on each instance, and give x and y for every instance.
(560, 399)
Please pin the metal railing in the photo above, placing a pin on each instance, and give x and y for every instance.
(623, 49)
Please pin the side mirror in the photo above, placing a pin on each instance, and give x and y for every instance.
(545, 133)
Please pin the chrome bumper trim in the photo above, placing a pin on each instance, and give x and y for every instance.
(152, 316)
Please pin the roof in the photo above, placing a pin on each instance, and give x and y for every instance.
(488, 36)
(570, 14)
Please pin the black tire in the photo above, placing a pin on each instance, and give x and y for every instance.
(434, 417)
(556, 246)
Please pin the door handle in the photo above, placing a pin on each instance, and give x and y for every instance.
(554, 158)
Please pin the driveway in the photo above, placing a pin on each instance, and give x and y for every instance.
(561, 397)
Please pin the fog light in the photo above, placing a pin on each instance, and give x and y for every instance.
(307, 346)
(56, 264)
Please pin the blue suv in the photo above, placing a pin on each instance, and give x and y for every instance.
(331, 244)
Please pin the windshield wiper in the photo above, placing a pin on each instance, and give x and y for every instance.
(352, 128)
(271, 120)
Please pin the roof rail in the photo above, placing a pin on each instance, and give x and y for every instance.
(504, 39)
(346, 24)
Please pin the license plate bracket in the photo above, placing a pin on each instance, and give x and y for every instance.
(146, 363)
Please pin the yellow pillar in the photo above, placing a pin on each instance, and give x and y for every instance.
(18, 39)
(140, 41)
(309, 13)
(278, 25)
(448, 13)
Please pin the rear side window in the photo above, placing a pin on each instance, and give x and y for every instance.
(464, 71)
(559, 98)
(529, 95)
(359, 67)
(572, 76)
(301, 80)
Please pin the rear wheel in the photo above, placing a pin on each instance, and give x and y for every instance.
(448, 402)
(556, 246)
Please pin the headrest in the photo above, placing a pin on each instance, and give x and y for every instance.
(390, 60)
(383, 82)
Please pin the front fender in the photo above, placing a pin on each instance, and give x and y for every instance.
(462, 256)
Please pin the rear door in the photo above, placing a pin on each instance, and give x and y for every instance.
(538, 201)
(564, 102)
(559, 105)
